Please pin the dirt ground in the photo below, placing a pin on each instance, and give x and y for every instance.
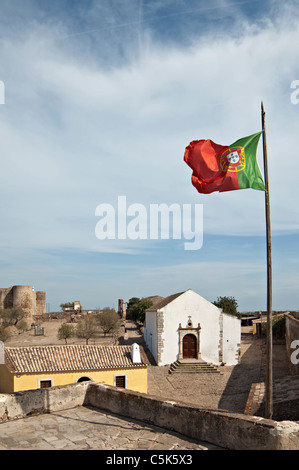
(228, 390)
(49, 338)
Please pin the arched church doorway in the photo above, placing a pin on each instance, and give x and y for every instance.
(189, 347)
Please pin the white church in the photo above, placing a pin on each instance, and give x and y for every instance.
(187, 326)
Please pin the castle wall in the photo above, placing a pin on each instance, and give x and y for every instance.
(6, 297)
(33, 303)
(24, 297)
(40, 302)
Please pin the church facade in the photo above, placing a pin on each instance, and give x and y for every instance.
(187, 326)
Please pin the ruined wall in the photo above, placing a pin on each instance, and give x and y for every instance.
(6, 297)
(24, 297)
(122, 308)
(33, 303)
(40, 302)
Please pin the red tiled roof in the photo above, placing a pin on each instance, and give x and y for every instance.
(70, 357)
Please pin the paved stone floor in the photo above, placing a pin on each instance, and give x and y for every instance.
(228, 390)
(84, 428)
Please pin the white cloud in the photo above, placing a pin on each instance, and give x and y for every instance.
(136, 120)
(77, 131)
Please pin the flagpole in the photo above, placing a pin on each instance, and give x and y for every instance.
(269, 372)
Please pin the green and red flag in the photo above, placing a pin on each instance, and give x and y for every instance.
(224, 168)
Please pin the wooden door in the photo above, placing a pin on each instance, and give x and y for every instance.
(189, 347)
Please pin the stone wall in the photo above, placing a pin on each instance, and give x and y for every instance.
(40, 303)
(160, 331)
(122, 309)
(229, 430)
(21, 404)
(6, 297)
(31, 302)
(285, 399)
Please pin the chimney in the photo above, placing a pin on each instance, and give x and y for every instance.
(135, 354)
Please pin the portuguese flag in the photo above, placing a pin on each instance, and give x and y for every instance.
(224, 168)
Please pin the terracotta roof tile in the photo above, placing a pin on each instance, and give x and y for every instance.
(70, 357)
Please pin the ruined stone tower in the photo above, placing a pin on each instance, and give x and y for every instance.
(122, 307)
(31, 302)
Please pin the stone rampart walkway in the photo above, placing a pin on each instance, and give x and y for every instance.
(84, 428)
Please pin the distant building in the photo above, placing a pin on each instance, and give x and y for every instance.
(32, 302)
(29, 368)
(77, 306)
(187, 326)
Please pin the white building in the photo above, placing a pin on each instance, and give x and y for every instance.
(185, 325)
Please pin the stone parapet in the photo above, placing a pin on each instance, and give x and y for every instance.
(222, 428)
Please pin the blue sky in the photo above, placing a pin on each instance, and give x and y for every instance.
(101, 99)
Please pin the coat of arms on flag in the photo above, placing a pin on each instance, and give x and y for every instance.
(233, 159)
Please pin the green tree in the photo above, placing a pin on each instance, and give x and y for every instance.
(131, 304)
(11, 316)
(67, 305)
(137, 311)
(228, 305)
(278, 327)
(108, 320)
(22, 325)
(65, 332)
(4, 335)
(87, 329)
